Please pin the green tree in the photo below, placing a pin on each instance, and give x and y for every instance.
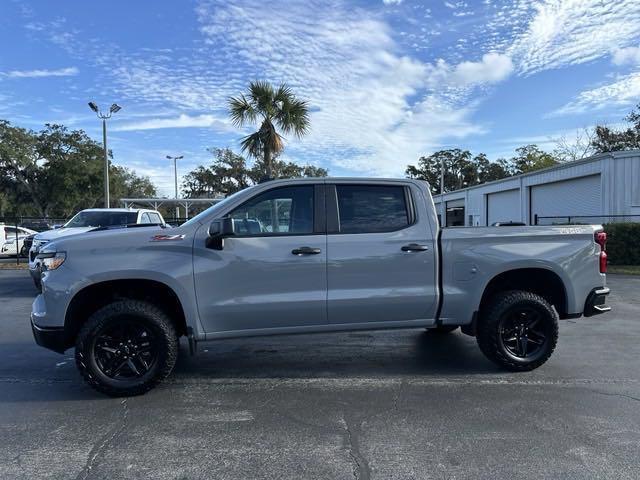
(281, 169)
(530, 158)
(464, 170)
(56, 172)
(229, 173)
(609, 140)
(272, 108)
(460, 170)
(489, 171)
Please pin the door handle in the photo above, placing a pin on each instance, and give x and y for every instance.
(305, 251)
(415, 247)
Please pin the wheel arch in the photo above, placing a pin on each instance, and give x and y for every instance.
(541, 281)
(91, 298)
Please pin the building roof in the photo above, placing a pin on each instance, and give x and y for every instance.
(593, 158)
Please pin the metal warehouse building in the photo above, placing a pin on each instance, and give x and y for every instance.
(598, 189)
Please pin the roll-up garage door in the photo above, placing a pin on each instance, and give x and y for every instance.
(503, 206)
(575, 197)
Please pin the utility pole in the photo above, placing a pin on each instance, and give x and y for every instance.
(104, 116)
(175, 174)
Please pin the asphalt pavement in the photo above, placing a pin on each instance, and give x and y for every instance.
(381, 405)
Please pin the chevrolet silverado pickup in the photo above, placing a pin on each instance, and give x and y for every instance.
(311, 255)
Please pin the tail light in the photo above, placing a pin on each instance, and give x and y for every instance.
(601, 239)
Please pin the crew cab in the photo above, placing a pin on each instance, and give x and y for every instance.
(84, 221)
(311, 255)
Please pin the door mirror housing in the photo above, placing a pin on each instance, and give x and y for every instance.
(218, 231)
(221, 227)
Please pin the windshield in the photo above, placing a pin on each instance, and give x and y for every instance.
(212, 209)
(101, 219)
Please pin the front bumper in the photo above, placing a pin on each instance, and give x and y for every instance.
(52, 338)
(595, 304)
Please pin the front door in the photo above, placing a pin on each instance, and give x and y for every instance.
(381, 255)
(272, 273)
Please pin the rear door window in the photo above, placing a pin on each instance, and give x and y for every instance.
(371, 208)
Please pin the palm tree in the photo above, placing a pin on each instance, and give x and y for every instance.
(271, 108)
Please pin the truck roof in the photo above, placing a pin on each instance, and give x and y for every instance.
(118, 210)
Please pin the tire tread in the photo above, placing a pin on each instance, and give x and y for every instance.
(487, 337)
(132, 307)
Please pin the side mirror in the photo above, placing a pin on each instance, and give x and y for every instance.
(221, 227)
(218, 231)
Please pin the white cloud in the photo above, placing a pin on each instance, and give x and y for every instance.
(392, 2)
(62, 72)
(625, 90)
(374, 109)
(568, 32)
(493, 68)
(182, 121)
(626, 56)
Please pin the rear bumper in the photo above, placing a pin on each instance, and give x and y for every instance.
(52, 338)
(595, 303)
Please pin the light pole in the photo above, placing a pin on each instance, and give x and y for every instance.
(175, 173)
(104, 116)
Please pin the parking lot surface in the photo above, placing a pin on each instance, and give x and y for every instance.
(381, 405)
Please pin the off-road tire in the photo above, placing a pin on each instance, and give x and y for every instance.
(489, 335)
(442, 329)
(166, 342)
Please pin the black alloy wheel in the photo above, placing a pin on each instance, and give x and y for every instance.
(125, 350)
(517, 330)
(523, 332)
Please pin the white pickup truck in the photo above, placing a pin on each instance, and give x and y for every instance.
(87, 220)
(12, 239)
(311, 255)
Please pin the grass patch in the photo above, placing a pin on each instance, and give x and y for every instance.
(624, 269)
(12, 265)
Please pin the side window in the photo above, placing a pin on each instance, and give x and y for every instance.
(155, 218)
(280, 211)
(371, 208)
(9, 233)
(145, 218)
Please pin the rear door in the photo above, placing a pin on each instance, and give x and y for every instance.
(380, 254)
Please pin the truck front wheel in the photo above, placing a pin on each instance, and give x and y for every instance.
(518, 330)
(126, 348)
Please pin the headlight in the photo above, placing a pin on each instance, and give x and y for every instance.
(51, 261)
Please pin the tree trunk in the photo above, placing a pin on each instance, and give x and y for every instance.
(267, 162)
(274, 207)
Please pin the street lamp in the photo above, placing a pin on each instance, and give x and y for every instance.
(104, 116)
(175, 173)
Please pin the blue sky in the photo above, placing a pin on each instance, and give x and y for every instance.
(387, 80)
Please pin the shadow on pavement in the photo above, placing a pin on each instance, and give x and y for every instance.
(338, 355)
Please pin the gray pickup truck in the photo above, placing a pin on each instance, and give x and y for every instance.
(311, 255)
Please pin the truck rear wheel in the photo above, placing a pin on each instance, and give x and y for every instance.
(518, 330)
(126, 348)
